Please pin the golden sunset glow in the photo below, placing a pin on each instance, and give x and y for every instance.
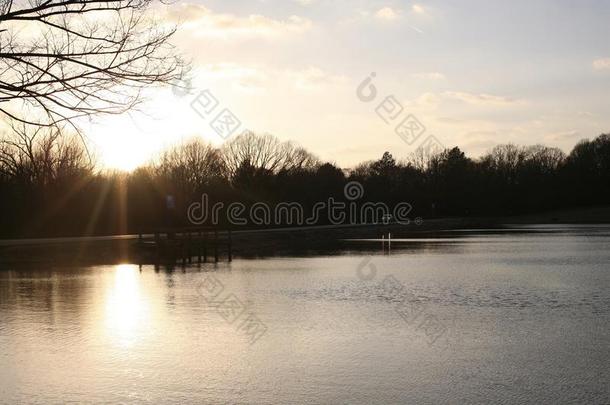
(127, 311)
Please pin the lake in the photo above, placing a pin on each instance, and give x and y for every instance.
(509, 316)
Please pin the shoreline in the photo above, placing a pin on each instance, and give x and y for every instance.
(119, 249)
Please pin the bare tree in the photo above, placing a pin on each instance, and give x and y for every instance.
(42, 156)
(510, 160)
(546, 159)
(505, 160)
(423, 158)
(61, 60)
(190, 165)
(265, 152)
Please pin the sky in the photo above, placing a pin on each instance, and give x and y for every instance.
(473, 73)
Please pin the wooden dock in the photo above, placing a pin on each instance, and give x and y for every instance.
(186, 245)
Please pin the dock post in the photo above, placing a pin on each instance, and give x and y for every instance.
(216, 245)
(188, 247)
(157, 247)
(230, 253)
(199, 246)
(182, 245)
(205, 246)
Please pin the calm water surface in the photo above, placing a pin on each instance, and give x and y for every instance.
(472, 316)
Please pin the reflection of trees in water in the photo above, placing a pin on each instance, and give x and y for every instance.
(50, 296)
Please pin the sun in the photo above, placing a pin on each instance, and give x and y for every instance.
(124, 158)
(128, 141)
(121, 147)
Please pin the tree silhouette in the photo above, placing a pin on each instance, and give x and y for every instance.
(61, 60)
(50, 188)
(265, 152)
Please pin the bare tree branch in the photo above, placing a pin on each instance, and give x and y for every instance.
(265, 152)
(64, 60)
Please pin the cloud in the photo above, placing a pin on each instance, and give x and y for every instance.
(245, 78)
(562, 136)
(601, 64)
(305, 2)
(429, 76)
(204, 22)
(387, 13)
(417, 9)
(480, 99)
(479, 141)
(257, 78)
(425, 102)
(314, 78)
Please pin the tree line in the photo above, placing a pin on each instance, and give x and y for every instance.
(50, 186)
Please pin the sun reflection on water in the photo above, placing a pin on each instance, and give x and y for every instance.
(127, 310)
